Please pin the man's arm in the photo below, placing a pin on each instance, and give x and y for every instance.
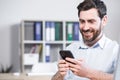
(99, 75)
(80, 69)
(85, 72)
(94, 75)
(57, 76)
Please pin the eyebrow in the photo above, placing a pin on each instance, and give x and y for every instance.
(87, 19)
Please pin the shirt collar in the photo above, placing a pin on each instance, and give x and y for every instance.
(100, 44)
(102, 41)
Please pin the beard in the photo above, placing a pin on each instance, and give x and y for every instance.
(90, 35)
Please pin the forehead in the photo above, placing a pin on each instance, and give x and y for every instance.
(89, 14)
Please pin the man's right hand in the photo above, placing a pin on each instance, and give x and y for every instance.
(63, 67)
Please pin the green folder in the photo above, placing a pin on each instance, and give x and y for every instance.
(58, 31)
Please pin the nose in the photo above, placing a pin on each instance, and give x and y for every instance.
(85, 26)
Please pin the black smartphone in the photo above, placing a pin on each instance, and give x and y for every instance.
(66, 53)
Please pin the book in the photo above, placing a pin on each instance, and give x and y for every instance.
(38, 48)
(37, 31)
(76, 31)
(69, 31)
(58, 31)
(40, 51)
(33, 49)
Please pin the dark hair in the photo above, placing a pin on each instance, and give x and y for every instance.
(88, 4)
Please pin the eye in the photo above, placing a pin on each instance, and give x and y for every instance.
(91, 21)
(82, 21)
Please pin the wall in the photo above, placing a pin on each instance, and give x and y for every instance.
(13, 11)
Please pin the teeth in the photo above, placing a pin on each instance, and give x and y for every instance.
(87, 32)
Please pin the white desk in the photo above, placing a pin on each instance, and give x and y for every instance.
(24, 77)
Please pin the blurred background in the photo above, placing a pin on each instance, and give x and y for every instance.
(12, 12)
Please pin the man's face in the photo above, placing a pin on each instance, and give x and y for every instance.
(90, 25)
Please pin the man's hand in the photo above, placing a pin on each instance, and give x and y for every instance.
(63, 67)
(78, 67)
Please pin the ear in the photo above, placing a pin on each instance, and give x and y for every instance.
(104, 20)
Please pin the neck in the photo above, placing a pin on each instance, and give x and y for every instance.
(94, 41)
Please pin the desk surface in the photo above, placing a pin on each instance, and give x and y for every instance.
(24, 77)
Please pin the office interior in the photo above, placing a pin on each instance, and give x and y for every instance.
(12, 12)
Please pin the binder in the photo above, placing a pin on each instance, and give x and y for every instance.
(38, 31)
(47, 54)
(58, 31)
(47, 25)
(29, 33)
(76, 31)
(69, 31)
(52, 31)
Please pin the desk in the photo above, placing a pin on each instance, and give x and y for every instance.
(11, 76)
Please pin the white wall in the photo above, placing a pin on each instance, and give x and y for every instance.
(13, 11)
(112, 28)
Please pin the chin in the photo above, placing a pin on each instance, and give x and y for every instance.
(88, 39)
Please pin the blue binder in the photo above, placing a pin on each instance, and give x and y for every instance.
(38, 31)
(76, 31)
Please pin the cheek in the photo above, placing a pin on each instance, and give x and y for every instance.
(81, 26)
(96, 26)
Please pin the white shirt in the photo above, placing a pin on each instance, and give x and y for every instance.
(101, 56)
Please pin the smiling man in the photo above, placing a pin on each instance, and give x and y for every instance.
(91, 26)
(95, 55)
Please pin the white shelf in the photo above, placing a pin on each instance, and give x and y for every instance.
(54, 42)
(32, 42)
(28, 43)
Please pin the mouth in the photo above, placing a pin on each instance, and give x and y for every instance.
(87, 35)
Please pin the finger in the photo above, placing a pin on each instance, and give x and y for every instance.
(63, 66)
(61, 62)
(72, 65)
(81, 60)
(71, 60)
(74, 70)
(63, 69)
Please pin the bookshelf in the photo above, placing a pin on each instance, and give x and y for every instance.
(41, 40)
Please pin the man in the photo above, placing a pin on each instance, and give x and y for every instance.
(95, 55)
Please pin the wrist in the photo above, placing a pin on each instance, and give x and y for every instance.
(60, 75)
(57, 76)
(91, 74)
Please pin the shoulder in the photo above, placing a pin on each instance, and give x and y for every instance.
(74, 45)
(111, 43)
